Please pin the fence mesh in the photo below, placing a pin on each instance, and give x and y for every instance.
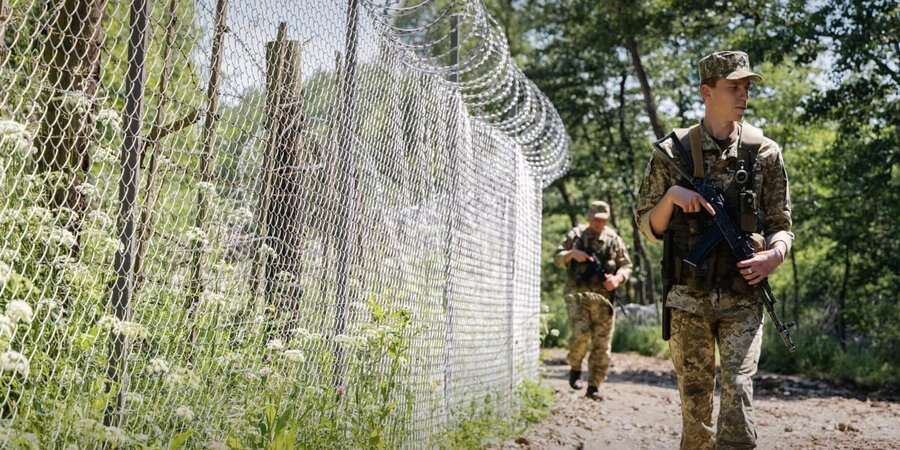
(228, 223)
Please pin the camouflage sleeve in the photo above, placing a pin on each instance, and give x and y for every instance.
(657, 180)
(566, 244)
(776, 198)
(623, 261)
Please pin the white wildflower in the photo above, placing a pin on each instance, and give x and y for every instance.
(265, 371)
(109, 116)
(267, 251)
(115, 435)
(38, 215)
(305, 335)
(182, 377)
(61, 236)
(15, 362)
(11, 128)
(240, 216)
(294, 355)
(63, 261)
(105, 155)
(99, 219)
(217, 445)
(7, 328)
(158, 365)
(214, 299)
(19, 311)
(10, 216)
(545, 308)
(108, 322)
(131, 330)
(285, 277)
(9, 254)
(195, 235)
(86, 189)
(6, 273)
(185, 413)
(349, 342)
(133, 398)
(275, 345)
(48, 303)
(554, 332)
(207, 188)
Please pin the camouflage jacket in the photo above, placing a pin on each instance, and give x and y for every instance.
(770, 183)
(606, 245)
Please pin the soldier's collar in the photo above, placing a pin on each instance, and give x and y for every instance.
(708, 142)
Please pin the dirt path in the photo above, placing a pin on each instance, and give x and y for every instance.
(641, 410)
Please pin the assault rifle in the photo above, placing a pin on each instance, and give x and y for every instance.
(739, 242)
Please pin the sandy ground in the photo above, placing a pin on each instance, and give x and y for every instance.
(641, 410)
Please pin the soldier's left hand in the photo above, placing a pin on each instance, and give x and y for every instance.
(611, 282)
(757, 268)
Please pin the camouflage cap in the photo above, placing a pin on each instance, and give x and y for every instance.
(729, 65)
(599, 209)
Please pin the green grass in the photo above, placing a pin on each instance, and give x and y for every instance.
(484, 424)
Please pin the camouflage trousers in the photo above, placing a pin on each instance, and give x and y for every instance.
(738, 334)
(592, 321)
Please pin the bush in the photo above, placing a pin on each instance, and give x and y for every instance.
(644, 339)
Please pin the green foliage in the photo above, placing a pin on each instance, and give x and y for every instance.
(483, 424)
(643, 339)
(829, 99)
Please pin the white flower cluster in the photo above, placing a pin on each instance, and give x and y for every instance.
(99, 219)
(110, 117)
(350, 342)
(195, 235)
(240, 216)
(294, 355)
(6, 273)
(19, 311)
(267, 251)
(207, 188)
(17, 136)
(158, 366)
(125, 328)
(86, 189)
(182, 377)
(61, 237)
(185, 413)
(275, 345)
(105, 154)
(15, 362)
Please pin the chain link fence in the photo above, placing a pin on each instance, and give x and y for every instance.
(239, 224)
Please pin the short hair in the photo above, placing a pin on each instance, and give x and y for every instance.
(711, 81)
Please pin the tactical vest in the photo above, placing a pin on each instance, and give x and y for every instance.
(719, 271)
(590, 276)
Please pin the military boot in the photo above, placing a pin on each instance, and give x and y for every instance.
(574, 377)
(593, 394)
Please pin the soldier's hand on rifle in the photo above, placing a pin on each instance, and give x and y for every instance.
(577, 255)
(612, 282)
(763, 263)
(689, 201)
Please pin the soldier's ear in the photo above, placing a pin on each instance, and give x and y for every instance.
(705, 91)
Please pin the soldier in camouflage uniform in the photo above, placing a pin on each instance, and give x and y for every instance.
(716, 303)
(597, 264)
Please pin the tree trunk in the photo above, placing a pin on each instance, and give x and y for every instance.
(842, 300)
(72, 57)
(643, 267)
(567, 202)
(632, 45)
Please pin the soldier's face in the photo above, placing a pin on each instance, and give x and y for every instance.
(728, 99)
(597, 224)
